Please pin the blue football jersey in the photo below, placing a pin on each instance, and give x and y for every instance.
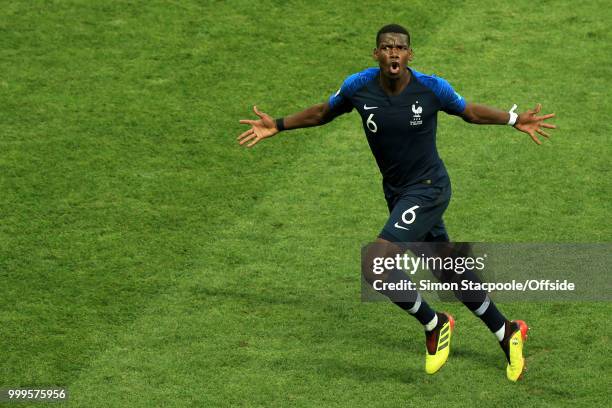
(401, 129)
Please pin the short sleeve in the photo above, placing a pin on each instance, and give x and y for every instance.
(339, 102)
(451, 101)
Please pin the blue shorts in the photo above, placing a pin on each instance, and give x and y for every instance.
(416, 213)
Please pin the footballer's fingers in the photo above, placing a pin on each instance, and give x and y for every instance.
(245, 134)
(543, 133)
(248, 138)
(535, 138)
(548, 125)
(538, 108)
(548, 116)
(257, 112)
(247, 121)
(254, 142)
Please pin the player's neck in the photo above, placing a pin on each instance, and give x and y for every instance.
(395, 86)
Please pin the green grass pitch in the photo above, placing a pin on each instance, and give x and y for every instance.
(147, 260)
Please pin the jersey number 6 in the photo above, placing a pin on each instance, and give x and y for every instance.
(371, 124)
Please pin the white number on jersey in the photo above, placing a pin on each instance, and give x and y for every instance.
(371, 124)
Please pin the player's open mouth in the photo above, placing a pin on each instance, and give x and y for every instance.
(394, 68)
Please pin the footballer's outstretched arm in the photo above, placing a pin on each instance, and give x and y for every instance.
(265, 126)
(528, 122)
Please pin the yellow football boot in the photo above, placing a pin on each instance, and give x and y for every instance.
(438, 343)
(516, 335)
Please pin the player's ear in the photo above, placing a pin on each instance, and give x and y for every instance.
(375, 54)
(410, 54)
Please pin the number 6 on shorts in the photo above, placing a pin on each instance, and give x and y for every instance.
(406, 221)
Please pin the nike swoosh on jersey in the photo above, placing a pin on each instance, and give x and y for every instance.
(399, 226)
(366, 107)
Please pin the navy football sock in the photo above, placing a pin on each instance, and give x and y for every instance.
(408, 300)
(479, 302)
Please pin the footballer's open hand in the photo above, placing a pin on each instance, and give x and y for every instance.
(260, 129)
(530, 123)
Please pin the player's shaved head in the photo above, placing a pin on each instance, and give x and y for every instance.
(392, 28)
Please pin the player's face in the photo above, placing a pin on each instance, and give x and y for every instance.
(393, 54)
